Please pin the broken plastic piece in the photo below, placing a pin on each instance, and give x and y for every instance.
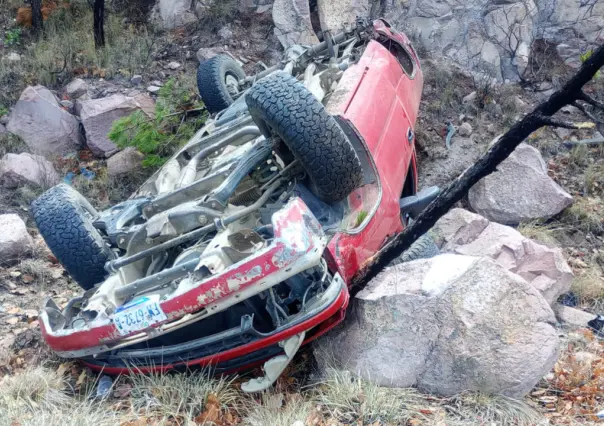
(275, 366)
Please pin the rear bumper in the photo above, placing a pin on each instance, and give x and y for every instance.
(232, 350)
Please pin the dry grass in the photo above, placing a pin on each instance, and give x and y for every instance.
(541, 232)
(37, 268)
(11, 144)
(67, 49)
(579, 156)
(37, 388)
(588, 286)
(173, 395)
(586, 214)
(594, 179)
(477, 409)
(270, 410)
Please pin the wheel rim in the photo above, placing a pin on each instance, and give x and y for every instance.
(232, 84)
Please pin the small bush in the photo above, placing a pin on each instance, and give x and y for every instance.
(160, 137)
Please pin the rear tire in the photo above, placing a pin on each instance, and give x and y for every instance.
(214, 77)
(281, 104)
(63, 217)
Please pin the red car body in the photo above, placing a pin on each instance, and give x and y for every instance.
(380, 99)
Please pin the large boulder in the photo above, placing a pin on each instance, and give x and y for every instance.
(14, 239)
(19, 169)
(98, 116)
(45, 127)
(520, 190)
(174, 13)
(292, 22)
(335, 15)
(446, 325)
(545, 268)
(124, 162)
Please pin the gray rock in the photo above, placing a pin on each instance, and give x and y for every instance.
(68, 105)
(545, 268)
(45, 127)
(465, 130)
(98, 116)
(19, 169)
(292, 22)
(153, 89)
(446, 325)
(469, 99)
(573, 316)
(4, 119)
(12, 57)
(124, 162)
(136, 79)
(225, 33)
(76, 88)
(173, 65)
(174, 13)
(520, 190)
(336, 15)
(14, 238)
(3, 130)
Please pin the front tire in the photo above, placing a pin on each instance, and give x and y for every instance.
(64, 218)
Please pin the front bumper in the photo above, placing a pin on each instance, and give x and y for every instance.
(233, 349)
(298, 245)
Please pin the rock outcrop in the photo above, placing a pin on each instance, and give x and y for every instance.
(19, 169)
(98, 116)
(174, 13)
(335, 15)
(14, 239)
(76, 88)
(446, 325)
(495, 37)
(545, 268)
(292, 22)
(45, 127)
(520, 190)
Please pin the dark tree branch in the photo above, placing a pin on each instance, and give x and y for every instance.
(486, 165)
(586, 112)
(99, 23)
(550, 121)
(37, 20)
(594, 102)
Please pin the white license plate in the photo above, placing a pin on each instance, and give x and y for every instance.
(138, 315)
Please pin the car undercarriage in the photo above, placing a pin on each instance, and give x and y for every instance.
(226, 246)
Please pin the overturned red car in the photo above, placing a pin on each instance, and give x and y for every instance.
(240, 249)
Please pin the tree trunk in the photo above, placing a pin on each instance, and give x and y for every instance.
(99, 23)
(37, 20)
(541, 116)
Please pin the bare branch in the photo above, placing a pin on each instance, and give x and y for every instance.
(549, 121)
(586, 112)
(594, 102)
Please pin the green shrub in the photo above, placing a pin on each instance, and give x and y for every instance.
(173, 125)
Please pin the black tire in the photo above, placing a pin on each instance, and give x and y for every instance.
(423, 248)
(211, 81)
(281, 104)
(63, 217)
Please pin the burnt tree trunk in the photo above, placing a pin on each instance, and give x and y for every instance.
(541, 116)
(99, 23)
(37, 21)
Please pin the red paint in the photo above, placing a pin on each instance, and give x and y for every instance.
(382, 105)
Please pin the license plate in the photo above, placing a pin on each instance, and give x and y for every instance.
(138, 315)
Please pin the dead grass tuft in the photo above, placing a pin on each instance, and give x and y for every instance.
(586, 214)
(11, 144)
(350, 399)
(579, 156)
(37, 268)
(475, 408)
(594, 179)
(541, 232)
(588, 286)
(165, 395)
(272, 411)
(36, 388)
